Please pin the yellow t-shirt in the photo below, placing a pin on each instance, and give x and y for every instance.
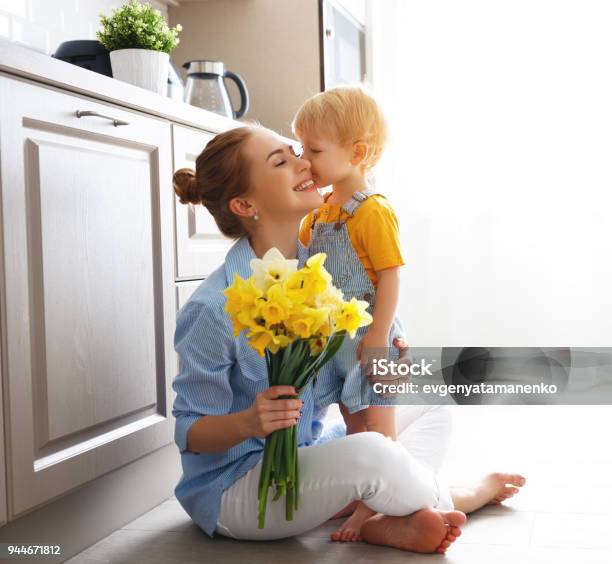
(373, 231)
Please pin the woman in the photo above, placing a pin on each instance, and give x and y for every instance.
(258, 190)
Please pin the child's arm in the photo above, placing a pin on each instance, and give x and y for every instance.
(387, 297)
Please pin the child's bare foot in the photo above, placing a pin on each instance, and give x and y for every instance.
(426, 530)
(349, 531)
(492, 489)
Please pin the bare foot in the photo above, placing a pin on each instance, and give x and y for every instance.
(426, 530)
(492, 489)
(349, 531)
(348, 510)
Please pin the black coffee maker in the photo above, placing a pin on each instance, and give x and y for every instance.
(87, 53)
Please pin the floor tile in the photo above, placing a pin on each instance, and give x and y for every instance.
(571, 530)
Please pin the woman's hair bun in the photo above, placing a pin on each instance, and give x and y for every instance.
(186, 186)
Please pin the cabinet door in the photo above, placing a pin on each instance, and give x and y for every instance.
(200, 246)
(344, 51)
(87, 219)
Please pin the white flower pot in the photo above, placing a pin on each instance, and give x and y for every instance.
(141, 67)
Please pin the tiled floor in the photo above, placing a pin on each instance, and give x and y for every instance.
(559, 517)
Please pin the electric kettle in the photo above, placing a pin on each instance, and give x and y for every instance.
(206, 88)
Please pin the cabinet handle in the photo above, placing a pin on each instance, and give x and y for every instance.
(84, 113)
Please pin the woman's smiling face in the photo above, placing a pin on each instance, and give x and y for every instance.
(281, 183)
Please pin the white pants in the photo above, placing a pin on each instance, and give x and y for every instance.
(393, 478)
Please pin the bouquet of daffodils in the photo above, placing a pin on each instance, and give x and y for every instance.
(297, 319)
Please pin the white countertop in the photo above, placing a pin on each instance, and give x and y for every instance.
(21, 61)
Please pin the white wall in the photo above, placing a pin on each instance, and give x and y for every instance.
(499, 166)
(44, 24)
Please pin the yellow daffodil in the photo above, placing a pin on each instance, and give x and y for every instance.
(316, 345)
(352, 316)
(241, 295)
(276, 306)
(294, 287)
(242, 302)
(261, 338)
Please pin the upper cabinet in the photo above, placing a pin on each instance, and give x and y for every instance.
(87, 233)
(200, 246)
(344, 42)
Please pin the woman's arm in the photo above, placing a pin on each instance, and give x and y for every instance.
(216, 433)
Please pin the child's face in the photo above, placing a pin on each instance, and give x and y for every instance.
(331, 161)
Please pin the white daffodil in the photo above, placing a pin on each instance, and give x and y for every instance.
(273, 268)
(331, 297)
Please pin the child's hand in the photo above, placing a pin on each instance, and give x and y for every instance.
(372, 339)
(372, 347)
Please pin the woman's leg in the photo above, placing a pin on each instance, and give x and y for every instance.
(365, 466)
(425, 431)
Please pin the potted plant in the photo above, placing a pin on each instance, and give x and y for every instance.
(139, 41)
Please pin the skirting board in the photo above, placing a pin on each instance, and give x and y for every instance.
(88, 514)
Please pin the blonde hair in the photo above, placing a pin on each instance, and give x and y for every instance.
(348, 115)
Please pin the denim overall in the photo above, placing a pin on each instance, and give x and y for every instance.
(342, 379)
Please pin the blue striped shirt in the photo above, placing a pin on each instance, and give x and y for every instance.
(221, 374)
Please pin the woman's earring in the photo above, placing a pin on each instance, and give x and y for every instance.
(256, 217)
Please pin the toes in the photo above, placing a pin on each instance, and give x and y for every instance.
(456, 531)
(451, 538)
(454, 518)
(514, 479)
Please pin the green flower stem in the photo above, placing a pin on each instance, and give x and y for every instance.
(296, 476)
(265, 479)
(291, 366)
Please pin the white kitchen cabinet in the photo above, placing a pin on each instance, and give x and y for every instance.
(88, 296)
(184, 290)
(200, 246)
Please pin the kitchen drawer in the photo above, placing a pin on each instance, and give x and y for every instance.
(200, 246)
